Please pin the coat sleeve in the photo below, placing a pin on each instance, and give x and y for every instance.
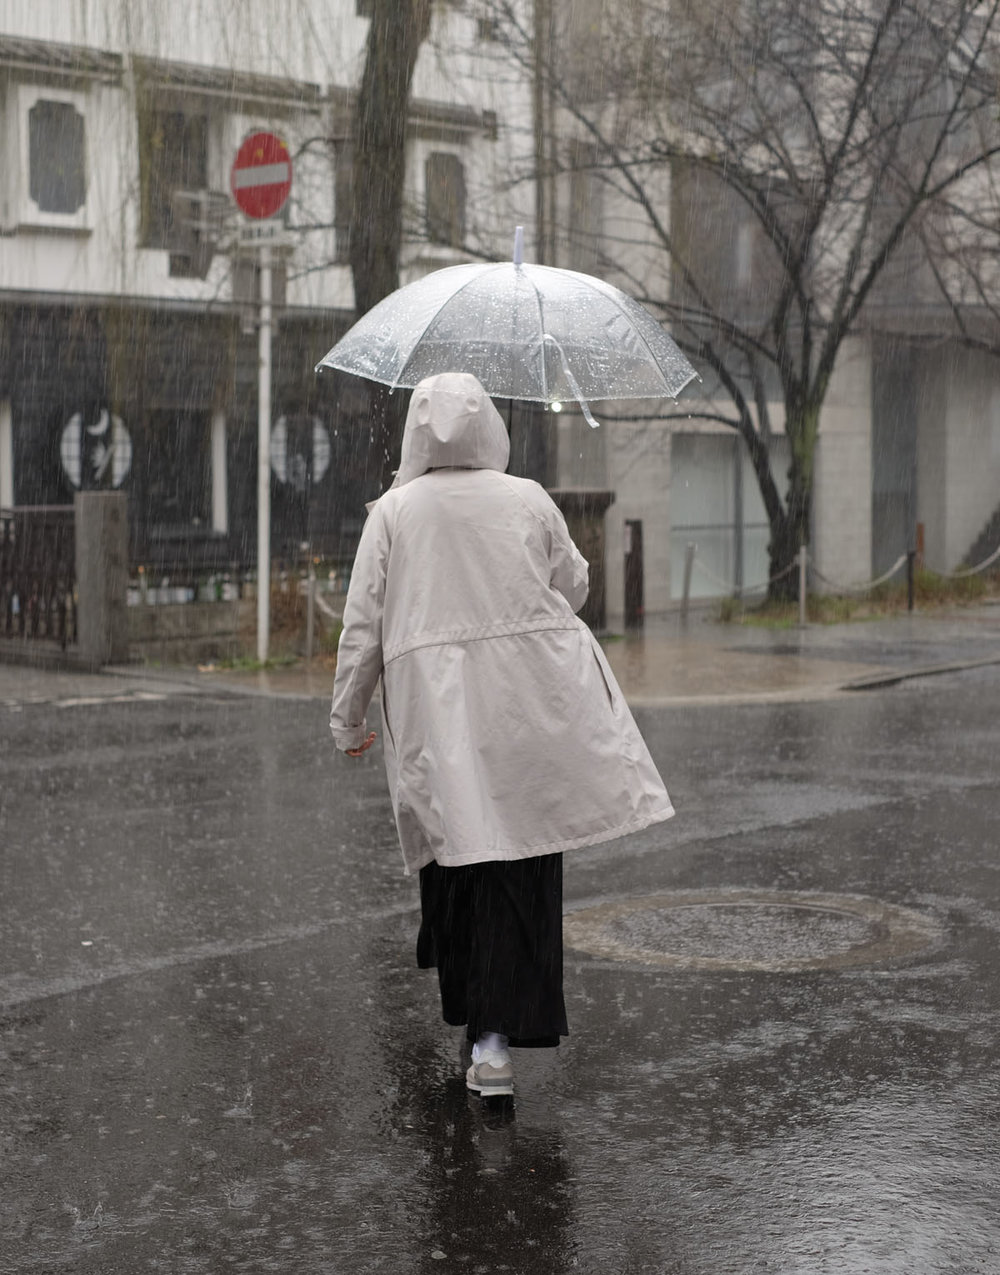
(359, 655)
(570, 573)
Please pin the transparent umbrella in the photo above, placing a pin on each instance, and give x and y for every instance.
(525, 331)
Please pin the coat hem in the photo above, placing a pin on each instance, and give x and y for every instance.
(661, 814)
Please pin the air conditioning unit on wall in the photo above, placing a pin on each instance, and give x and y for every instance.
(198, 220)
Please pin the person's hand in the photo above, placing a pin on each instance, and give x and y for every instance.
(356, 752)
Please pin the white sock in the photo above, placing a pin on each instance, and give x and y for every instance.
(489, 1040)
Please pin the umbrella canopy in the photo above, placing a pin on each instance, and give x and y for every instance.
(524, 331)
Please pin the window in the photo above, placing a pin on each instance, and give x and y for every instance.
(173, 156)
(444, 176)
(715, 500)
(57, 175)
(44, 162)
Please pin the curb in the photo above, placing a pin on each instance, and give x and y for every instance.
(893, 677)
(207, 683)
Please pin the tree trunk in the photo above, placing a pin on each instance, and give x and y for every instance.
(397, 30)
(790, 529)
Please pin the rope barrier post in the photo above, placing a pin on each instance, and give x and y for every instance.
(689, 549)
(802, 586)
(911, 559)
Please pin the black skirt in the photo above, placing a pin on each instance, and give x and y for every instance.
(494, 931)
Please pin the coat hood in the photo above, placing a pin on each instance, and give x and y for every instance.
(452, 422)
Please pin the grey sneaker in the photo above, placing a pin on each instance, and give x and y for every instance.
(492, 1076)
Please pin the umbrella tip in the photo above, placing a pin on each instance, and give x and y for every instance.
(518, 245)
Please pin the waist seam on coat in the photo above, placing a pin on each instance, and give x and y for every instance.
(464, 637)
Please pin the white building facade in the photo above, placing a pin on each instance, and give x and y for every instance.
(128, 351)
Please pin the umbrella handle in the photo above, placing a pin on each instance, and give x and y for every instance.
(588, 416)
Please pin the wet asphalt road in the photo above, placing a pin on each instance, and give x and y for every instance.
(217, 1055)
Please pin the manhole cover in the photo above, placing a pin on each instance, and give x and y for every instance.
(751, 930)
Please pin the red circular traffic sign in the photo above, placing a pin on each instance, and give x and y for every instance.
(261, 176)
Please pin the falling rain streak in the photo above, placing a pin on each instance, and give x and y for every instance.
(217, 1049)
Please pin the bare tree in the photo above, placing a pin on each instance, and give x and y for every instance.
(831, 168)
(398, 29)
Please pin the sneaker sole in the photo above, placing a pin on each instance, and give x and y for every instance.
(501, 1090)
(501, 1085)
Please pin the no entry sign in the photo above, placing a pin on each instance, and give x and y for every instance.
(261, 175)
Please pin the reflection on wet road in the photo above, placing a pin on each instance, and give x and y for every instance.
(217, 1053)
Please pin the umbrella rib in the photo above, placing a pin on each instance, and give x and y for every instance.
(541, 335)
(473, 278)
(573, 383)
(618, 305)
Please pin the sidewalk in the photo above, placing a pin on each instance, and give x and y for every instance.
(670, 661)
(703, 661)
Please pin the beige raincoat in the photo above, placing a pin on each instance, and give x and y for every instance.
(506, 735)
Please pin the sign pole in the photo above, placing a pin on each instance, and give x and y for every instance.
(264, 458)
(260, 179)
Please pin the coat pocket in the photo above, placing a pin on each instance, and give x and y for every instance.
(611, 688)
(386, 723)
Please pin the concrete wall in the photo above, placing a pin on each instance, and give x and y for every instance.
(972, 465)
(957, 406)
(841, 545)
(581, 451)
(192, 633)
(958, 450)
(639, 474)
(932, 456)
(632, 460)
(101, 542)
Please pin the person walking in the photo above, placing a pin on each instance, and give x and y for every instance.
(507, 739)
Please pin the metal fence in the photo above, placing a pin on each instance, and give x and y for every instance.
(38, 574)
